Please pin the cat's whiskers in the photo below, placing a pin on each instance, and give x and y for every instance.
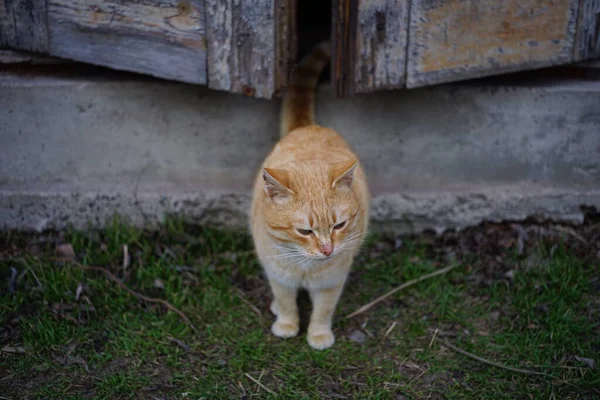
(352, 242)
(286, 256)
(306, 262)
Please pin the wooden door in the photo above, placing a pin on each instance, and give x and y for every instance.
(392, 44)
(241, 46)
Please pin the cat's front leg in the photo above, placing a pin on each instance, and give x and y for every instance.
(285, 307)
(324, 302)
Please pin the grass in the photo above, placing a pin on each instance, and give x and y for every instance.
(537, 310)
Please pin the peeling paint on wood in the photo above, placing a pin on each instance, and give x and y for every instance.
(587, 42)
(219, 46)
(23, 25)
(249, 46)
(163, 38)
(452, 40)
(381, 45)
(242, 49)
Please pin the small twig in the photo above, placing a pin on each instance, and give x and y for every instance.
(179, 343)
(40, 286)
(390, 329)
(417, 377)
(558, 367)
(403, 286)
(260, 384)
(492, 363)
(244, 393)
(433, 337)
(570, 232)
(248, 303)
(363, 327)
(136, 294)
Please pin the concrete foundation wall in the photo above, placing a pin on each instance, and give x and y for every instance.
(77, 150)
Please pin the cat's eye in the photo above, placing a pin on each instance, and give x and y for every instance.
(304, 232)
(340, 225)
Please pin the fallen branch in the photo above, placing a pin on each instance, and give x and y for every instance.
(399, 288)
(492, 363)
(260, 384)
(136, 294)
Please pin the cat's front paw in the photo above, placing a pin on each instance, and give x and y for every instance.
(321, 340)
(285, 329)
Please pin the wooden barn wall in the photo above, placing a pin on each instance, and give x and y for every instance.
(381, 45)
(162, 38)
(24, 25)
(241, 46)
(391, 44)
(587, 39)
(248, 46)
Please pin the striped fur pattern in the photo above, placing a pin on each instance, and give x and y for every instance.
(298, 108)
(310, 210)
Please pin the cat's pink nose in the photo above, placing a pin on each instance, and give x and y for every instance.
(327, 249)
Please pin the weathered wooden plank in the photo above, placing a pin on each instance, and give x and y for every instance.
(163, 38)
(343, 46)
(286, 40)
(219, 43)
(451, 40)
(241, 37)
(587, 43)
(381, 45)
(23, 25)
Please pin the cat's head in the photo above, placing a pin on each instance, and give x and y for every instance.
(311, 209)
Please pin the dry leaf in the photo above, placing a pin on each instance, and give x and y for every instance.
(70, 360)
(159, 284)
(78, 291)
(126, 257)
(180, 343)
(398, 243)
(510, 275)
(70, 346)
(494, 315)
(66, 251)
(13, 349)
(357, 336)
(587, 361)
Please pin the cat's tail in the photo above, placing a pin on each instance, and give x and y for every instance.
(298, 108)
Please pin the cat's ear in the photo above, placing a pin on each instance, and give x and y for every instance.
(276, 184)
(343, 174)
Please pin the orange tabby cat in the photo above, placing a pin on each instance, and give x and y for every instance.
(309, 211)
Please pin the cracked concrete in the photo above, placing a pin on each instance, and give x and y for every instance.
(76, 150)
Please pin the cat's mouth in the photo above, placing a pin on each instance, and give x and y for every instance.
(322, 258)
